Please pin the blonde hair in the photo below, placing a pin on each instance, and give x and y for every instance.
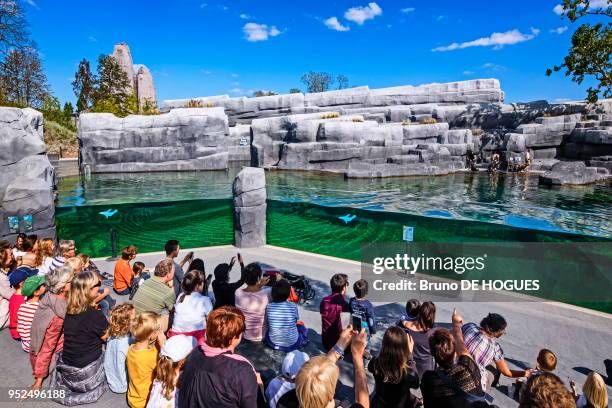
(84, 259)
(147, 324)
(166, 373)
(79, 297)
(315, 383)
(594, 390)
(120, 320)
(75, 263)
(45, 249)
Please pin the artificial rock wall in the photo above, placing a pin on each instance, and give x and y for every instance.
(141, 80)
(249, 193)
(183, 139)
(26, 175)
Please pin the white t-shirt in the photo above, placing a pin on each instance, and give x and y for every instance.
(157, 399)
(46, 265)
(17, 253)
(190, 314)
(276, 389)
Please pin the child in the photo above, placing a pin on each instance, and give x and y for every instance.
(142, 358)
(284, 383)
(16, 279)
(141, 274)
(546, 363)
(363, 307)
(32, 289)
(331, 309)
(169, 365)
(285, 330)
(121, 320)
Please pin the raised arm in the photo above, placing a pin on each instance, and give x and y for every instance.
(358, 346)
(460, 348)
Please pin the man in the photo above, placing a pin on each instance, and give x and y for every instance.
(456, 381)
(156, 294)
(481, 342)
(172, 248)
(65, 250)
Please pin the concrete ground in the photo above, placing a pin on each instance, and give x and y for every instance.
(581, 338)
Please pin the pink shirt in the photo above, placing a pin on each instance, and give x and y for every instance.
(253, 306)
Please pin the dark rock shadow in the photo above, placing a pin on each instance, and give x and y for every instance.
(586, 371)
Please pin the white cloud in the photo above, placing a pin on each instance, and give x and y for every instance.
(245, 16)
(32, 3)
(92, 38)
(495, 40)
(360, 15)
(441, 17)
(559, 30)
(205, 71)
(562, 100)
(234, 75)
(222, 7)
(407, 10)
(593, 5)
(333, 24)
(236, 91)
(259, 32)
(493, 67)
(468, 72)
(203, 5)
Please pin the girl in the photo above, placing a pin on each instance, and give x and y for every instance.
(44, 255)
(169, 366)
(192, 308)
(142, 357)
(393, 370)
(595, 392)
(419, 328)
(121, 320)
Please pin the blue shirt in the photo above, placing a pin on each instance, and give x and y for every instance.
(364, 308)
(282, 318)
(114, 363)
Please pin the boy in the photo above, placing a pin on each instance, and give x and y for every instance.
(363, 307)
(546, 363)
(331, 309)
(16, 279)
(33, 288)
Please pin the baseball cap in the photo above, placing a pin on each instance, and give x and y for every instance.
(31, 284)
(20, 274)
(293, 362)
(178, 347)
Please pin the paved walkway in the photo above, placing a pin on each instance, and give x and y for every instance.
(581, 338)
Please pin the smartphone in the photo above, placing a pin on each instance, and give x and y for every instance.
(357, 322)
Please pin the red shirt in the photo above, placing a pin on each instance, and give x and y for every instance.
(331, 308)
(14, 302)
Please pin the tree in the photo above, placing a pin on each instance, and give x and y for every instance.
(264, 93)
(13, 28)
(295, 90)
(591, 51)
(317, 81)
(68, 111)
(342, 81)
(22, 79)
(113, 92)
(83, 86)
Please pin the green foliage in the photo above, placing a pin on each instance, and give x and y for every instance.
(84, 86)
(149, 108)
(317, 81)
(22, 80)
(264, 93)
(591, 51)
(52, 112)
(113, 91)
(295, 90)
(57, 136)
(68, 110)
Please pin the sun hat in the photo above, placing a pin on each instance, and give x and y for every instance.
(293, 362)
(178, 347)
(31, 284)
(20, 274)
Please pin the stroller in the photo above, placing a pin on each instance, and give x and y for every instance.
(301, 291)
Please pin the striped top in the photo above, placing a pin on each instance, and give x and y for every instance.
(282, 318)
(154, 295)
(57, 262)
(25, 315)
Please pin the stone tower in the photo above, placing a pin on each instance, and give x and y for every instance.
(141, 80)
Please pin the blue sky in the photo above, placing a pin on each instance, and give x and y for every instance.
(213, 47)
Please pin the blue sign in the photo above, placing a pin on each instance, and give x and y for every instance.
(408, 234)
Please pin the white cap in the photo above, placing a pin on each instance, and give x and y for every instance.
(293, 362)
(178, 347)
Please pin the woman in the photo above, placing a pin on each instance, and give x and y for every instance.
(30, 248)
(224, 291)
(213, 375)
(6, 291)
(198, 265)
(47, 332)
(420, 329)
(191, 308)
(393, 370)
(80, 369)
(595, 394)
(18, 250)
(44, 255)
(252, 302)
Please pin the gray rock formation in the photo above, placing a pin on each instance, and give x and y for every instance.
(184, 139)
(564, 173)
(26, 175)
(141, 80)
(121, 53)
(249, 192)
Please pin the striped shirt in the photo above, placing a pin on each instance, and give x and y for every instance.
(483, 349)
(57, 262)
(282, 318)
(25, 315)
(154, 295)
